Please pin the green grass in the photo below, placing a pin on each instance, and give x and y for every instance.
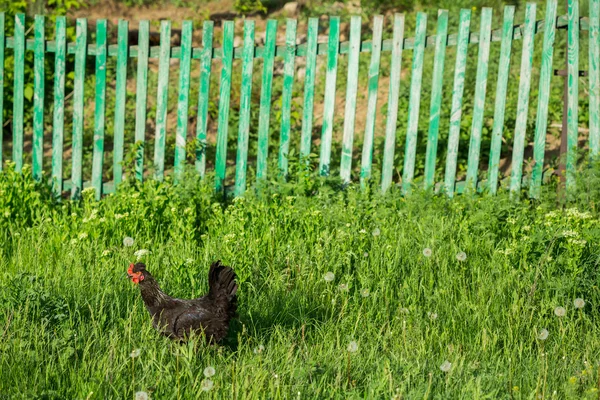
(69, 318)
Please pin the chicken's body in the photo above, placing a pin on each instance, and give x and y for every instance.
(177, 318)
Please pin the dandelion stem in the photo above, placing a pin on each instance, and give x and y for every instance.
(348, 369)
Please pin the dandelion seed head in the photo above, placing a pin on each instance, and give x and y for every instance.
(209, 371)
(579, 303)
(427, 252)
(141, 253)
(207, 385)
(560, 311)
(343, 287)
(365, 292)
(543, 334)
(353, 347)
(376, 232)
(259, 349)
(446, 366)
(128, 241)
(329, 276)
(135, 353)
(432, 316)
(462, 256)
(141, 396)
(365, 254)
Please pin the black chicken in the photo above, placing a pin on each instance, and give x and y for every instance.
(177, 318)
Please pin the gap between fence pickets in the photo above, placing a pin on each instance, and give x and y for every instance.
(365, 46)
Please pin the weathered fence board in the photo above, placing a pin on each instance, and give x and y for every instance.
(286, 96)
(183, 99)
(457, 95)
(244, 124)
(98, 151)
(436, 99)
(38, 98)
(203, 96)
(414, 102)
(543, 98)
(500, 103)
(265, 101)
(523, 99)
(120, 99)
(58, 120)
(392, 114)
(77, 143)
(329, 100)
(479, 101)
(367, 152)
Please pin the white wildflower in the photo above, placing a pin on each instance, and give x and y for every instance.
(329, 276)
(207, 385)
(141, 396)
(209, 372)
(446, 366)
(579, 303)
(362, 231)
(141, 253)
(259, 349)
(353, 347)
(83, 235)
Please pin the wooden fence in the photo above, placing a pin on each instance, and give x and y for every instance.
(290, 51)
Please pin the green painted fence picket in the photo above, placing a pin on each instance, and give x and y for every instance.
(185, 65)
(38, 98)
(367, 152)
(18, 91)
(120, 100)
(329, 98)
(392, 114)
(436, 98)
(58, 119)
(78, 99)
(265, 100)
(457, 95)
(500, 102)
(297, 121)
(286, 96)
(541, 123)
(523, 99)
(479, 101)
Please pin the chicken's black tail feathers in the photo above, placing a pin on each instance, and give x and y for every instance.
(223, 287)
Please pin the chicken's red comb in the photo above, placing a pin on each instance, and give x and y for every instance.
(130, 270)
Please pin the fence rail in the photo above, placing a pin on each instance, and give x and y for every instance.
(189, 57)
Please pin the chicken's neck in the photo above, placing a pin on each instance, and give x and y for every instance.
(153, 296)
